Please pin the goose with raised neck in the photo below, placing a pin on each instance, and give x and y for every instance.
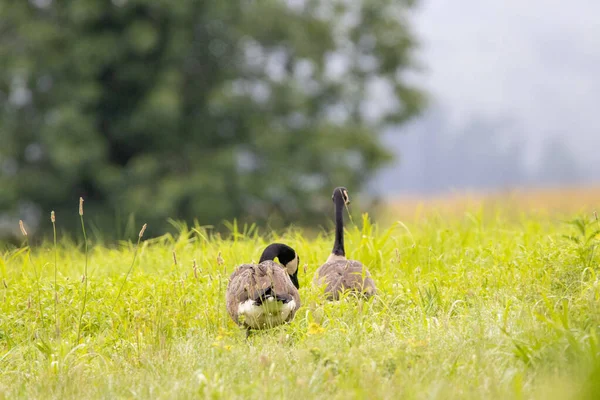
(338, 274)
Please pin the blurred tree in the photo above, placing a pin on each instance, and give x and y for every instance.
(197, 109)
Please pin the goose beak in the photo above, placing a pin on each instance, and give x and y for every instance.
(346, 197)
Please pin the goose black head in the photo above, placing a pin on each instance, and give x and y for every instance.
(287, 257)
(341, 193)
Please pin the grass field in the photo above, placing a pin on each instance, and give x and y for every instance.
(472, 305)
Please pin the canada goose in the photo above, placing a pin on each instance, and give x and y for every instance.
(338, 273)
(264, 295)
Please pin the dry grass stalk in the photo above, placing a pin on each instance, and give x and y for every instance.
(131, 266)
(56, 324)
(85, 270)
(37, 278)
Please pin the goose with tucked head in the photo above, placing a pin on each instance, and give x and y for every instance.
(265, 295)
(339, 274)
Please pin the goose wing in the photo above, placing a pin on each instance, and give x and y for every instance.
(238, 288)
(270, 274)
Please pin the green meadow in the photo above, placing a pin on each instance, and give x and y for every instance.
(469, 306)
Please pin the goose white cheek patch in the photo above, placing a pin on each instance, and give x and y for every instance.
(292, 266)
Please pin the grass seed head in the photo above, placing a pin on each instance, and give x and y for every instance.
(22, 226)
(81, 206)
(52, 217)
(143, 230)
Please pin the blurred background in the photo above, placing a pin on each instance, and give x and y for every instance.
(514, 98)
(154, 110)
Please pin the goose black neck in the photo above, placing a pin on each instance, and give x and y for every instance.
(338, 245)
(270, 253)
(278, 250)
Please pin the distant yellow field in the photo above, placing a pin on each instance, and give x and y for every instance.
(549, 201)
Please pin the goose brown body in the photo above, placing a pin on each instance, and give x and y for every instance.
(263, 295)
(343, 275)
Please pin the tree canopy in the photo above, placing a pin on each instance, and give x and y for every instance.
(197, 109)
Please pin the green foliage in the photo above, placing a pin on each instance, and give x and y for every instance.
(196, 109)
(470, 307)
(587, 239)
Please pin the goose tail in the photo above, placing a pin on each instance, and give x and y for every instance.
(269, 294)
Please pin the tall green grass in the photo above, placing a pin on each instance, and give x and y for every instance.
(469, 307)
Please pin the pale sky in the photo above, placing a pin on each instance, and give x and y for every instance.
(536, 62)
